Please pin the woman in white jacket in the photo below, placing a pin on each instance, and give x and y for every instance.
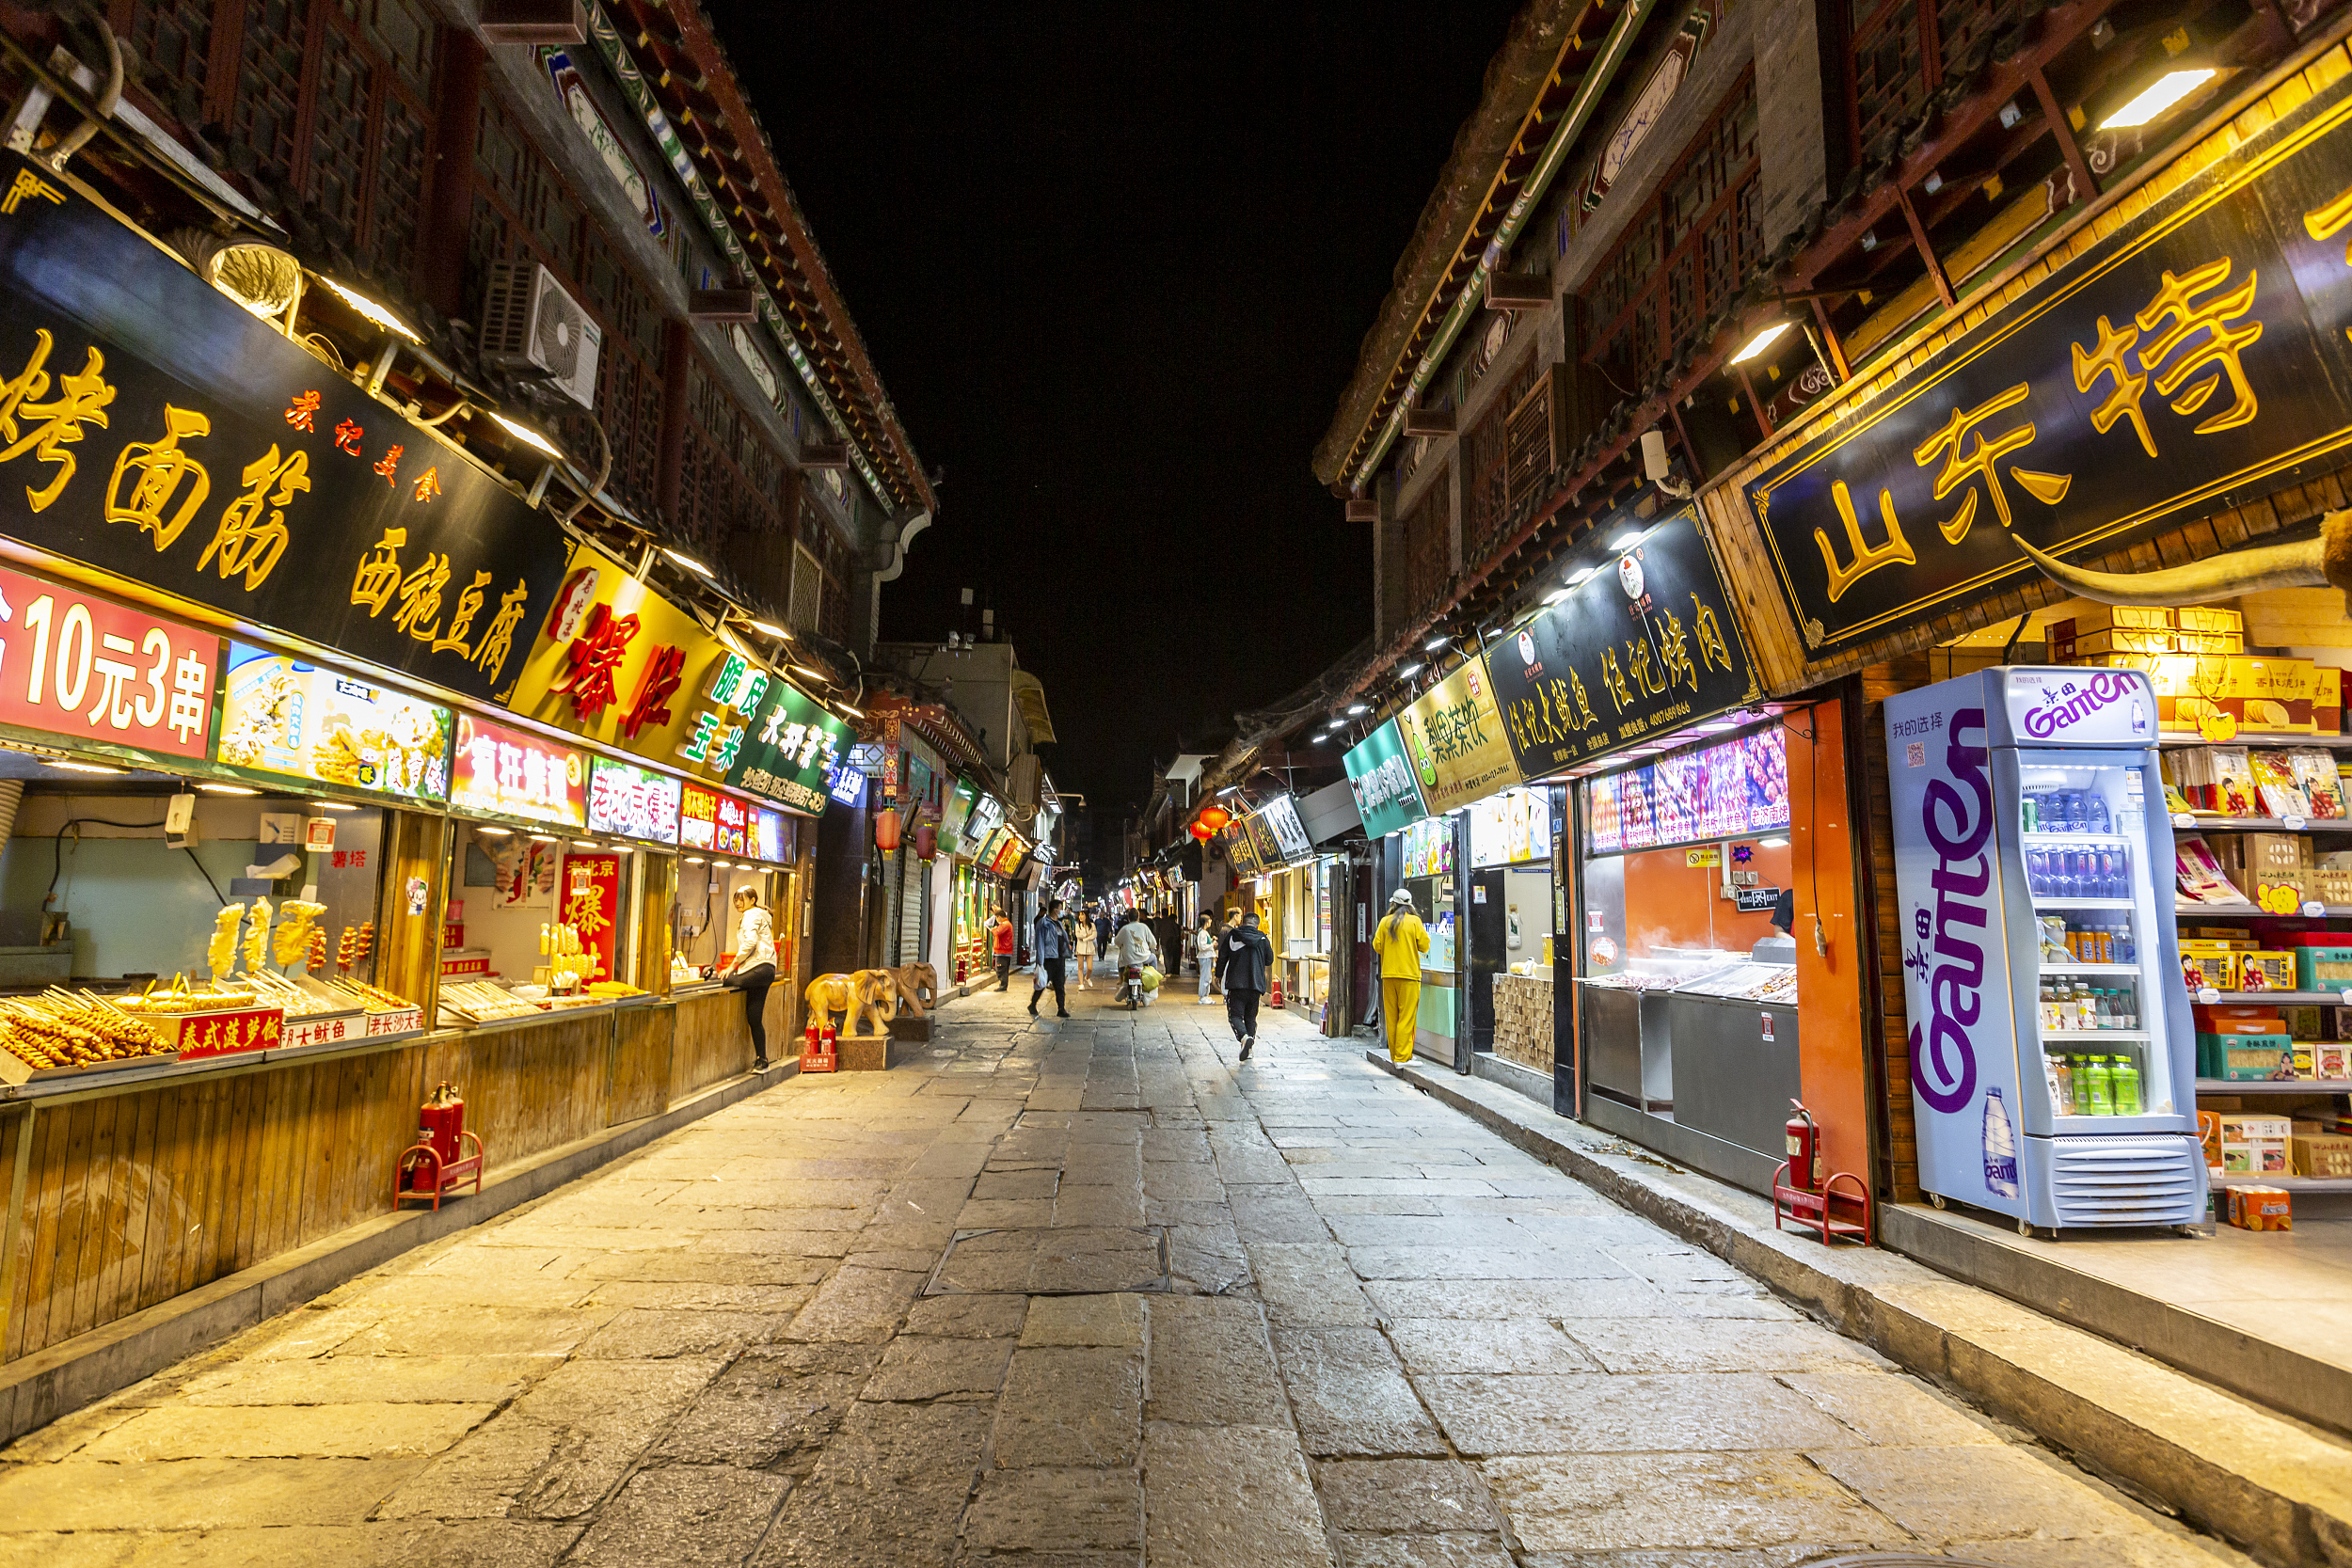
(755, 967)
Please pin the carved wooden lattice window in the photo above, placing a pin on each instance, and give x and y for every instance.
(1680, 261)
(808, 579)
(1485, 451)
(173, 39)
(1902, 51)
(1528, 456)
(738, 476)
(1429, 546)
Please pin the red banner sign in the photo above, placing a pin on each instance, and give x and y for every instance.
(592, 903)
(86, 669)
(516, 773)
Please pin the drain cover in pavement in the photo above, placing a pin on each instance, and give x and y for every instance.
(1077, 1260)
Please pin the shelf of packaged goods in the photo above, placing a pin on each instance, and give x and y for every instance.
(2275, 1085)
(2094, 1033)
(2247, 912)
(2283, 998)
(2131, 969)
(2265, 824)
(2059, 902)
(2061, 835)
(2245, 737)
(2289, 1183)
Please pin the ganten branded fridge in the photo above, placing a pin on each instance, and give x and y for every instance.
(2053, 1065)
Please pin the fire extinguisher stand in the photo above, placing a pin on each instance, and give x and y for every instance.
(437, 1160)
(1805, 1199)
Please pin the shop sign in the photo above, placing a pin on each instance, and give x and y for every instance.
(505, 773)
(1290, 834)
(768, 837)
(617, 663)
(169, 435)
(1727, 790)
(280, 715)
(986, 856)
(957, 811)
(1262, 848)
(1238, 849)
(633, 802)
(88, 669)
(1429, 847)
(1644, 646)
(1511, 829)
(1009, 854)
(2194, 358)
(723, 824)
(1388, 796)
(790, 750)
(848, 785)
(1455, 741)
(231, 1034)
(987, 817)
(592, 905)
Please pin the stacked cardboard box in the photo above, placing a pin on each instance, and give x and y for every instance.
(1523, 1022)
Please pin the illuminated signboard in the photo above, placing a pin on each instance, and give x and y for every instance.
(633, 802)
(986, 858)
(771, 839)
(987, 815)
(848, 785)
(514, 773)
(280, 715)
(1009, 854)
(734, 821)
(81, 667)
(958, 811)
(698, 817)
(790, 750)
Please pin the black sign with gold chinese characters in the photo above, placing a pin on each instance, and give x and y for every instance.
(152, 428)
(2192, 359)
(1640, 648)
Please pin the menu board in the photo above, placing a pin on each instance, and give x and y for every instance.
(988, 814)
(1009, 854)
(508, 773)
(1723, 791)
(81, 667)
(1511, 829)
(633, 802)
(1290, 834)
(766, 840)
(734, 825)
(282, 716)
(958, 810)
(1429, 847)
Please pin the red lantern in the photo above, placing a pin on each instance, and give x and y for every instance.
(926, 842)
(886, 826)
(1212, 817)
(1203, 832)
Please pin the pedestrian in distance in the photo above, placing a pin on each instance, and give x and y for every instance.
(1204, 954)
(755, 967)
(1245, 966)
(1002, 942)
(1138, 949)
(1051, 944)
(1104, 930)
(1400, 940)
(1085, 950)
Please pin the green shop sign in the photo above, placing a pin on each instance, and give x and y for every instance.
(790, 750)
(1381, 776)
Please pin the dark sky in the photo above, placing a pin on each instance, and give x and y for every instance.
(1115, 279)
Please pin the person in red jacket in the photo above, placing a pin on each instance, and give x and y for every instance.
(1004, 939)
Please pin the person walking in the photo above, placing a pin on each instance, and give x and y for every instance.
(755, 967)
(1400, 940)
(1204, 954)
(1002, 942)
(1086, 952)
(1050, 945)
(1245, 965)
(1104, 930)
(1137, 950)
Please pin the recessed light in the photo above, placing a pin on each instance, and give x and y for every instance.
(586, 844)
(81, 767)
(494, 832)
(2162, 94)
(1762, 342)
(227, 789)
(693, 859)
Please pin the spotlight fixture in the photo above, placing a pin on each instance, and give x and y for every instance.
(81, 767)
(1440, 641)
(1764, 339)
(687, 561)
(586, 844)
(852, 712)
(1409, 671)
(2162, 94)
(371, 309)
(766, 630)
(227, 789)
(1626, 541)
(1555, 596)
(495, 833)
(527, 436)
(1357, 709)
(1587, 574)
(804, 670)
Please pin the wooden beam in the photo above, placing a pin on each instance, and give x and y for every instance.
(1428, 421)
(2076, 165)
(1517, 291)
(556, 22)
(1829, 339)
(1755, 405)
(1927, 251)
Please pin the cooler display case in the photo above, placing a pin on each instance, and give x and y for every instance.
(2053, 1064)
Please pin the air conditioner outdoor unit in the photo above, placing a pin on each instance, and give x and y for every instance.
(528, 320)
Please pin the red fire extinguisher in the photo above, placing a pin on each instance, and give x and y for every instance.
(1805, 1148)
(444, 1117)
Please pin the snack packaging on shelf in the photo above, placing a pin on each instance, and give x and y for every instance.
(2199, 874)
(2323, 786)
(2314, 1152)
(2262, 1208)
(2277, 792)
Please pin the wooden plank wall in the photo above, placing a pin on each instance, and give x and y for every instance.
(133, 1198)
(710, 1042)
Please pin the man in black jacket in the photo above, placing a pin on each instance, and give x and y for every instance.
(1244, 964)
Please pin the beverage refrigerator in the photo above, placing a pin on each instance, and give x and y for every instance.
(2053, 1062)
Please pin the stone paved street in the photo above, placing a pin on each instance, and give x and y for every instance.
(1064, 1295)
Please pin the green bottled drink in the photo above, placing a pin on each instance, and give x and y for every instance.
(2125, 1087)
(2092, 1074)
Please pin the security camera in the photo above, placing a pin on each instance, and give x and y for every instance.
(180, 821)
(1655, 465)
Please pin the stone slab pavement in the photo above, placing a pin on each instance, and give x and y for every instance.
(1060, 1294)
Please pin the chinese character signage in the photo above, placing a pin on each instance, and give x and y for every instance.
(1727, 790)
(988, 814)
(160, 431)
(957, 809)
(592, 905)
(2193, 359)
(1010, 854)
(633, 802)
(1388, 796)
(721, 824)
(615, 661)
(736, 817)
(790, 750)
(1454, 740)
(1239, 850)
(280, 715)
(508, 773)
(1280, 818)
(86, 670)
(771, 836)
(1640, 648)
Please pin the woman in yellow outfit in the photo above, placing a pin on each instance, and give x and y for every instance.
(1401, 940)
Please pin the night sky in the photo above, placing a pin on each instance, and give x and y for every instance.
(1115, 280)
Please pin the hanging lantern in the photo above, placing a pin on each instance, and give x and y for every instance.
(886, 826)
(926, 842)
(1213, 817)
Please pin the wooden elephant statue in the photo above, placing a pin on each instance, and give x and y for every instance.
(858, 997)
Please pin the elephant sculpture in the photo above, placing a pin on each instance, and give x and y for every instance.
(858, 997)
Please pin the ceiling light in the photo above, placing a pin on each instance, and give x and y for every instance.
(687, 561)
(372, 311)
(1323, 739)
(2169, 89)
(333, 805)
(1762, 342)
(1626, 541)
(1356, 708)
(543, 838)
(1773, 843)
(261, 277)
(82, 767)
(769, 631)
(1555, 596)
(693, 859)
(227, 789)
(527, 436)
(1435, 643)
(494, 832)
(586, 844)
(1409, 671)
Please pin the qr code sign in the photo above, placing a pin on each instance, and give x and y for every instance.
(1917, 754)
